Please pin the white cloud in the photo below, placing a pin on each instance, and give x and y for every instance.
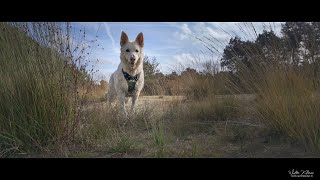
(247, 30)
(184, 32)
(107, 61)
(114, 47)
(181, 61)
(199, 30)
(152, 53)
(185, 29)
(182, 58)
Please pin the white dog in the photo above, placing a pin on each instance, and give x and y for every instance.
(128, 79)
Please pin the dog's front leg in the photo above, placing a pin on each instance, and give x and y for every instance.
(122, 100)
(134, 100)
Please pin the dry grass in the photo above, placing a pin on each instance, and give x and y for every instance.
(288, 105)
(40, 74)
(177, 128)
(37, 100)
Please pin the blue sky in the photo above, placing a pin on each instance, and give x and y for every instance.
(170, 42)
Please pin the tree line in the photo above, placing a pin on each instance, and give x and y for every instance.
(297, 48)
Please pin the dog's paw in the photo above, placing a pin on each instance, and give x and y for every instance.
(124, 115)
(123, 120)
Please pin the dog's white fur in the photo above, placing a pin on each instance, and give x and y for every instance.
(131, 57)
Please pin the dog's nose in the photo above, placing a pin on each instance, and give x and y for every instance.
(132, 58)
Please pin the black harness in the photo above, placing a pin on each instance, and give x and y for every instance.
(131, 80)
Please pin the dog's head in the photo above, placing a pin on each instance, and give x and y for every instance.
(131, 52)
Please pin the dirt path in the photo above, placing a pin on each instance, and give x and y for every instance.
(143, 101)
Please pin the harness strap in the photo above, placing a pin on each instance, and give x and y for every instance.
(131, 80)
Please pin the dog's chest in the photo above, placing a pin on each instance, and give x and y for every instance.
(131, 82)
(131, 88)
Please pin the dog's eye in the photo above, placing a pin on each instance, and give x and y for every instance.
(127, 50)
(137, 50)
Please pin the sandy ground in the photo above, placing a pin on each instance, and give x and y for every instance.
(162, 100)
(144, 101)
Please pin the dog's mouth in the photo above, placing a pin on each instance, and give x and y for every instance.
(131, 64)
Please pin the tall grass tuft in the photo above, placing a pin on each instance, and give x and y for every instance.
(38, 87)
(286, 94)
(196, 116)
(285, 83)
(288, 104)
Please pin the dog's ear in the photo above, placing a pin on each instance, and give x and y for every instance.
(124, 39)
(139, 39)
